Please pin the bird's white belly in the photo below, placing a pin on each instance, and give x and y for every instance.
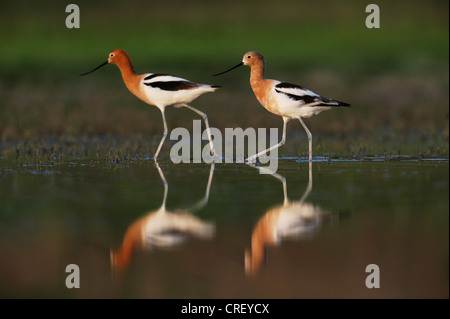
(163, 98)
(308, 111)
(294, 109)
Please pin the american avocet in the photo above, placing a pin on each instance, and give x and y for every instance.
(160, 90)
(290, 101)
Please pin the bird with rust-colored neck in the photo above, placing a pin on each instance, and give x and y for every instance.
(160, 90)
(290, 101)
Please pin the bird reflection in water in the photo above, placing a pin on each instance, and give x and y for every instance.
(290, 220)
(162, 228)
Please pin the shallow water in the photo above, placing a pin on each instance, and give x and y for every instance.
(137, 230)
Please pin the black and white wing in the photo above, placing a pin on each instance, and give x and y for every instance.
(304, 96)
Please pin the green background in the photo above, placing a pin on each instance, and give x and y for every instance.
(395, 77)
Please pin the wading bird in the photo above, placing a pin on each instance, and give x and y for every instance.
(290, 101)
(160, 90)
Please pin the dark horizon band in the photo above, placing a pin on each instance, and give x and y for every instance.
(234, 67)
(103, 64)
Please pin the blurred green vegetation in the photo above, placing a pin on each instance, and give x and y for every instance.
(396, 77)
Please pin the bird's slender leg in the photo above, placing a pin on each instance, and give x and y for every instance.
(205, 118)
(283, 140)
(309, 138)
(155, 157)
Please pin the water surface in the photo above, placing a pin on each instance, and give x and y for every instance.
(137, 230)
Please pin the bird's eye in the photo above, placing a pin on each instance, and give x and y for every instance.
(249, 56)
(111, 55)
